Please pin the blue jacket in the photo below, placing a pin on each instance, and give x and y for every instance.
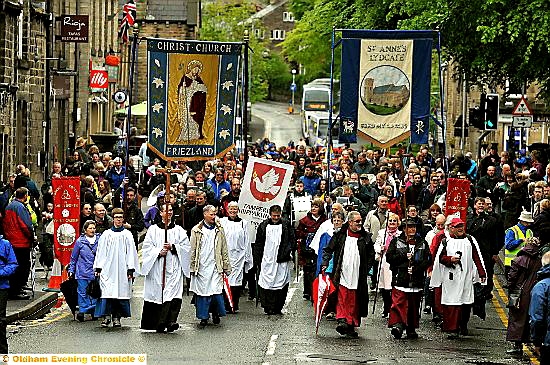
(82, 258)
(539, 308)
(8, 262)
(510, 242)
(311, 184)
(115, 178)
(217, 187)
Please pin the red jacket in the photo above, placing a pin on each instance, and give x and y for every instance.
(18, 225)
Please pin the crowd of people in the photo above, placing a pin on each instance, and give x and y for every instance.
(376, 224)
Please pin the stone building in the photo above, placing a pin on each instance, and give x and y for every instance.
(275, 21)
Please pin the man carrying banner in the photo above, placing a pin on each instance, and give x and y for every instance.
(116, 264)
(240, 251)
(164, 266)
(353, 257)
(209, 262)
(273, 250)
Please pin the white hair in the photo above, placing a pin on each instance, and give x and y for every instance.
(546, 259)
(232, 204)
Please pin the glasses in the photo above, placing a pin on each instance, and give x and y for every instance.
(392, 220)
(118, 217)
(436, 179)
(357, 221)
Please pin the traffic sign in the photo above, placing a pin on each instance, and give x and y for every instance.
(522, 122)
(522, 108)
(293, 87)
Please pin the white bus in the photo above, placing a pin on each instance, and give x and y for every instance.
(316, 105)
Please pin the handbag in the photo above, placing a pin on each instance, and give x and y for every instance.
(94, 289)
(514, 298)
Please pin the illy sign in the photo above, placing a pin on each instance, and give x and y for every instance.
(99, 79)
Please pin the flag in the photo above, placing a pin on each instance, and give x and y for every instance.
(456, 198)
(322, 288)
(66, 213)
(129, 14)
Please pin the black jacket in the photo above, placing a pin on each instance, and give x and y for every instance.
(366, 255)
(484, 229)
(286, 248)
(399, 263)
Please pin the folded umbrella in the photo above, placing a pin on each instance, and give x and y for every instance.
(322, 288)
(68, 288)
(227, 291)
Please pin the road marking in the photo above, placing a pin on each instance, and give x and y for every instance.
(288, 299)
(272, 345)
(504, 318)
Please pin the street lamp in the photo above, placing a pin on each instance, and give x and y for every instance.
(293, 89)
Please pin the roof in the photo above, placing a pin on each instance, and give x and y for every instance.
(388, 89)
(268, 10)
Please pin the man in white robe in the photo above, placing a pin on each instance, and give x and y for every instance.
(116, 264)
(164, 265)
(273, 249)
(209, 262)
(240, 251)
(458, 265)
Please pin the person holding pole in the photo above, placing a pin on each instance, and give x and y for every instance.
(385, 236)
(165, 256)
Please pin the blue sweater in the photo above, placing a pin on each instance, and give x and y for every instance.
(8, 263)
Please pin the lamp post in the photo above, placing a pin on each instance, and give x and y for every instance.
(293, 89)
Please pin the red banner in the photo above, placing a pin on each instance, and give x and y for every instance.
(66, 216)
(456, 199)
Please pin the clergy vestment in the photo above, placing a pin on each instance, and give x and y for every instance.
(272, 250)
(161, 307)
(240, 254)
(115, 259)
(457, 281)
(209, 260)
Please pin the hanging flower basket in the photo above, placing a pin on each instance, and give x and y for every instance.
(112, 60)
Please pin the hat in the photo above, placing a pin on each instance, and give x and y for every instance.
(364, 176)
(526, 217)
(408, 222)
(456, 222)
(80, 142)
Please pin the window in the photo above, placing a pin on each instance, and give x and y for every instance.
(288, 16)
(259, 33)
(278, 35)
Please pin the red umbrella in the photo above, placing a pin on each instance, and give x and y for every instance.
(227, 290)
(322, 288)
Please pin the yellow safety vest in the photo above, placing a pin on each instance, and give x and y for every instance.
(509, 255)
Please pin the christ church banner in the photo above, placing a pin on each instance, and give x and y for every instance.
(192, 98)
(265, 184)
(385, 85)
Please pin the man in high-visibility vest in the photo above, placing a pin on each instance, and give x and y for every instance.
(516, 237)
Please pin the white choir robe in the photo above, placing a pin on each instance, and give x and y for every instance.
(176, 265)
(273, 275)
(207, 281)
(239, 249)
(459, 290)
(116, 254)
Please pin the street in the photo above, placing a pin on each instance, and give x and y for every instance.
(250, 337)
(270, 119)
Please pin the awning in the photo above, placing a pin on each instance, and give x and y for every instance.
(137, 109)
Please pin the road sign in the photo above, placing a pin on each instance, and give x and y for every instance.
(522, 108)
(525, 121)
(293, 87)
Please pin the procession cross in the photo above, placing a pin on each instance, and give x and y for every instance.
(167, 172)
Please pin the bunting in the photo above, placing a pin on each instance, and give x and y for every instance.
(129, 14)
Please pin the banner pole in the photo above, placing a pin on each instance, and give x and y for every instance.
(331, 102)
(244, 107)
(441, 95)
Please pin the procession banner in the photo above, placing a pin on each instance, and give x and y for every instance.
(456, 199)
(385, 85)
(192, 98)
(265, 184)
(66, 216)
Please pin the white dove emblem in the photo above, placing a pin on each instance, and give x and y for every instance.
(267, 185)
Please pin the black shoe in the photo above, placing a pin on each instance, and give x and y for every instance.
(428, 310)
(215, 319)
(251, 297)
(172, 327)
(342, 328)
(160, 329)
(352, 334)
(397, 332)
(412, 335)
(80, 317)
(464, 332)
(307, 297)
(26, 287)
(203, 323)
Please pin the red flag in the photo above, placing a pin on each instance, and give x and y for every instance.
(456, 199)
(129, 14)
(322, 288)
(227, 290)
(66, 216)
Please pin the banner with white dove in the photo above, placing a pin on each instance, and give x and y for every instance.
(192, 98)
(265, 184)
